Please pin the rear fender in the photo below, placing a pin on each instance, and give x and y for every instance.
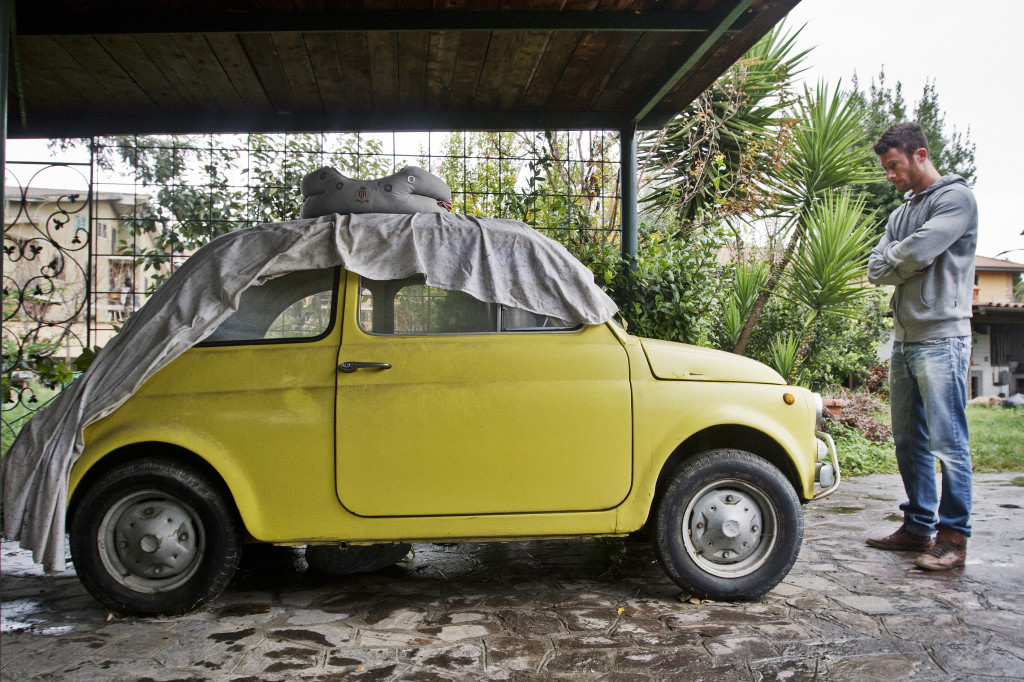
(108, 447)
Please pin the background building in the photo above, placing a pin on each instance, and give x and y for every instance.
(70, 272)
(997, 362)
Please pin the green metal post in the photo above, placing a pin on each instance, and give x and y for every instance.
(627, 163)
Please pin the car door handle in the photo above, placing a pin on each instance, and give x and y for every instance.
(353, 366)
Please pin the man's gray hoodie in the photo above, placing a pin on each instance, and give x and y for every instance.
(928, 253)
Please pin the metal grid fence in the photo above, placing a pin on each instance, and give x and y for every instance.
(88, 236)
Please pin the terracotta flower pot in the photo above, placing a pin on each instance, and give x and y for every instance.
(834, 405)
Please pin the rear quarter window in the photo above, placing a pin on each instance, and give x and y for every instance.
(298, 306)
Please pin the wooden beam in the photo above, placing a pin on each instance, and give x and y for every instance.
(675, 72)
(36, 18)
(166, 123)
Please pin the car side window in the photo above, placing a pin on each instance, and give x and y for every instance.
(410, 307)
(294, 307)
(519, 320)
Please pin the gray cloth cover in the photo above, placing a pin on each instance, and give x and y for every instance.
(497, 261)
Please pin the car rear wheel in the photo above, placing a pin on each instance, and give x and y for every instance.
(728, 526)
(154, 537)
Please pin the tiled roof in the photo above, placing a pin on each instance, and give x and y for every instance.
(53, 194)
(986, 263)
(999, 304)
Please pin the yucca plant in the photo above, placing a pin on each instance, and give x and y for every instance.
(828, 150)
(783, 354)
(828, 269)
(719, 148)
(827, 154)
(747, 284)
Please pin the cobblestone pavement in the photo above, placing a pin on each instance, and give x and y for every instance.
(563, 610)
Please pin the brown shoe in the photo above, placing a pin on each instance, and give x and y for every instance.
(903, 540)
(950, 551)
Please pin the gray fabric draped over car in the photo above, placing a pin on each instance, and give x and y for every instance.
(497, 261)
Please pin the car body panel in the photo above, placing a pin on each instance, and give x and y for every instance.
(483, 423)
(261, 415)
(671, 412)
(681, 361)
(556, 433)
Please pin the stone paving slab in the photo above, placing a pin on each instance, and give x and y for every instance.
(562, 609)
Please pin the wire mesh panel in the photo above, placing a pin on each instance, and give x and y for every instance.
(86, 241)
(565, 184)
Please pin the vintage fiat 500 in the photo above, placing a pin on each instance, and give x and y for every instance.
(335, 409)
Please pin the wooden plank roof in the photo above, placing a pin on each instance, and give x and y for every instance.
(93, 67)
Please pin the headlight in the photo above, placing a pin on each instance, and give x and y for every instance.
(818, 410)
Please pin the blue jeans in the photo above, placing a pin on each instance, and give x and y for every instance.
(928, 394)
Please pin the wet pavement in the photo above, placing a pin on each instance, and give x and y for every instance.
(564, 609)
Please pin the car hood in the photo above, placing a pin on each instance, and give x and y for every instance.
(682, 362)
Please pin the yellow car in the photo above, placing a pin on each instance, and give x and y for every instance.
(336, 411)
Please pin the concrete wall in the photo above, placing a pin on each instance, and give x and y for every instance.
(995, 287)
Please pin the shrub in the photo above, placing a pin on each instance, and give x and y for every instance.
(858, 456)
(675, 290)
(841, 347)
(866, 413)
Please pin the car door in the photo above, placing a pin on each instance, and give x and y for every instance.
(474, 415)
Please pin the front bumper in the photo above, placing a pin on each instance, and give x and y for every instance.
(826, 473)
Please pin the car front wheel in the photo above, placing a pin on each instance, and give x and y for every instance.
(154, 537)
(728, 526)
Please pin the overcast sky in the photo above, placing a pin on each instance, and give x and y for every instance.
(972, 51)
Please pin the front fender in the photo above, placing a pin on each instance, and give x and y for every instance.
(676, 411)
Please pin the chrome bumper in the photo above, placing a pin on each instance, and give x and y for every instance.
(826, 473)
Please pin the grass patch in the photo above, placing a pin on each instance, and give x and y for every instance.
(996, 437)
(858, 456)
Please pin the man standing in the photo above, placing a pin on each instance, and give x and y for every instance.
(927, 252)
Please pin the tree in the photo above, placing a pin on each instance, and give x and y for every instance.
(571, 190)
(205, 186)
(951, 152)
(481, 168)
(833, 256)
(714, 156)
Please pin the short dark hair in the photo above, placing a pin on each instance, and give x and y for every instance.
(907, 137)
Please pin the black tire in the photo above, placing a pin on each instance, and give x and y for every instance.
(154, 537)
(336, 560)
(728, 526)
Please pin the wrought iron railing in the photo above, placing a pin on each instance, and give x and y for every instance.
(46, 282)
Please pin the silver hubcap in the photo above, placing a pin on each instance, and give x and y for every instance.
(150, 542)
(729, 528)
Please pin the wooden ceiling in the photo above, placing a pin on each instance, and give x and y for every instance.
(94, 67)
